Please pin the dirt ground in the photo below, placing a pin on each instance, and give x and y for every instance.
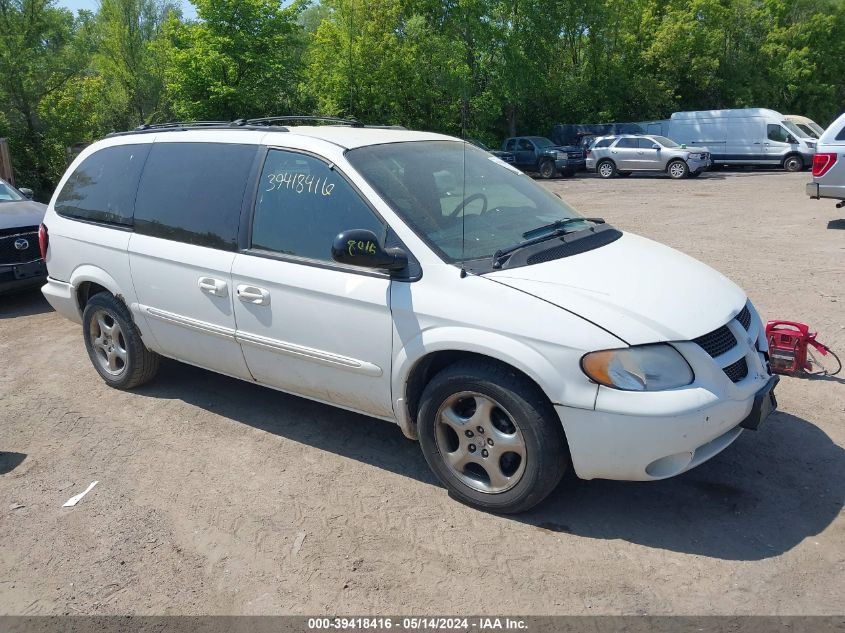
(220, 497)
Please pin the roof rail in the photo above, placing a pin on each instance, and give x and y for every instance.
(270, 120)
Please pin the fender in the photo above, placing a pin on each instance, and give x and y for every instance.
(534, 364)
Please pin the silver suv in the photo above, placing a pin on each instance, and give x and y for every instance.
(621, 155)
(829, 164)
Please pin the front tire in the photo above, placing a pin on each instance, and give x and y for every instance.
(491, 437)
(547, 170)
(606, 169)
(114, 344)
(793, 164)
(677, 169)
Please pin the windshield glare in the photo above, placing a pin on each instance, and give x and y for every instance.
(665, 142)
(423, 181)
(796, 131)
(7, 194)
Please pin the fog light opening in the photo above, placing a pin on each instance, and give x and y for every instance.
(669, 465)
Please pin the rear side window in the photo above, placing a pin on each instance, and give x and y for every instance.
(303, 204)
(841, 135)
(627, 143)
(103, 187)
(193, 192)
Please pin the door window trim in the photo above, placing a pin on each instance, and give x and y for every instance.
(248, 217)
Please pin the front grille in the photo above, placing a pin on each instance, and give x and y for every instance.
(737, 371)
(717, 342)
(744, 317)
(9, 254)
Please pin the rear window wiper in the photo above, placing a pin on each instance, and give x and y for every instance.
(555, 229)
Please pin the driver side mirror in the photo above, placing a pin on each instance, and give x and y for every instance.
(29, 194)
(361, 247)
(656, 146)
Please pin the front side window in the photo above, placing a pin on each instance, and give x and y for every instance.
(808, 131)
(8, 194)
(645, 143)
(424, 183)
(193, 193)
(103, 186)
(511, 145)
(303, 204)
(525, 145)
(777, 133)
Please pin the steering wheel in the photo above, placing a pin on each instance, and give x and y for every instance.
(466, 201)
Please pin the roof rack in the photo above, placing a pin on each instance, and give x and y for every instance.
(264, 123)
(270, 120)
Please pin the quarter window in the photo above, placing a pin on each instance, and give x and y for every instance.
(777, 133)
(303, 204)
(605, 142)
(193, 192)
(103, 187)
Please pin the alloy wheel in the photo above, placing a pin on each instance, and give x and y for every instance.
(480, 443)
(108, 342)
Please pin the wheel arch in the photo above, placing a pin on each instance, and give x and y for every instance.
(88, 280)
(420, 361)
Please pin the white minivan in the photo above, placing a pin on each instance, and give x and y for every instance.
(748, 136)
(412, 277)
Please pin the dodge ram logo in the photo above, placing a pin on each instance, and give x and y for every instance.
(21, 244)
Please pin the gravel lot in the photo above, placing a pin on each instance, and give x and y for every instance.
(217, 497)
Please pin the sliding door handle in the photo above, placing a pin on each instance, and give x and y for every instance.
(254, 295)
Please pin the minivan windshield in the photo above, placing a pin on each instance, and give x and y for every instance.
(431, 184)
(8, 193)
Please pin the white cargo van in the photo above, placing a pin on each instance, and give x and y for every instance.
(750, 136)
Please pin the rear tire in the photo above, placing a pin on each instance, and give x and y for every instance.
(114, 343)
(606, 169)
(677, 169)
(491, 437)
(547, 170)
(793, 164)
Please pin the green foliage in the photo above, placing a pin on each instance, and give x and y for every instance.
(478, 68)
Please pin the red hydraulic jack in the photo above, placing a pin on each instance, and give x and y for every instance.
(794, 351)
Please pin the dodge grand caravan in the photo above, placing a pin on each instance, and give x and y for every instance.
(415, 278)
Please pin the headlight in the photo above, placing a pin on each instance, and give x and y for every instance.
(644, 368)
(695, 156)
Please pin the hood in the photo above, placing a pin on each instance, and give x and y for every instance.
(21, 213)
(639, 290)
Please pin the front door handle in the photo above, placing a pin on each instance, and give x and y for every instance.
(212, 286)
(254, 295)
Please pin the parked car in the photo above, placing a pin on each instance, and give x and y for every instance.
(612, 156)
(508, 157)
(484, 316)
(809, 127)
(749, 136)
(21, 263)
(538, 154)
(829, 164)
(582, 134)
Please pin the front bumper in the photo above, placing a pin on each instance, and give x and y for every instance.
(19, 276)
(699, 165)
(628, 447)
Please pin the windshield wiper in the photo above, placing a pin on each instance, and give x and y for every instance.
(559, 224)
(556, 229)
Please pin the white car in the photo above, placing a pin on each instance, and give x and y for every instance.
(415, 278)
